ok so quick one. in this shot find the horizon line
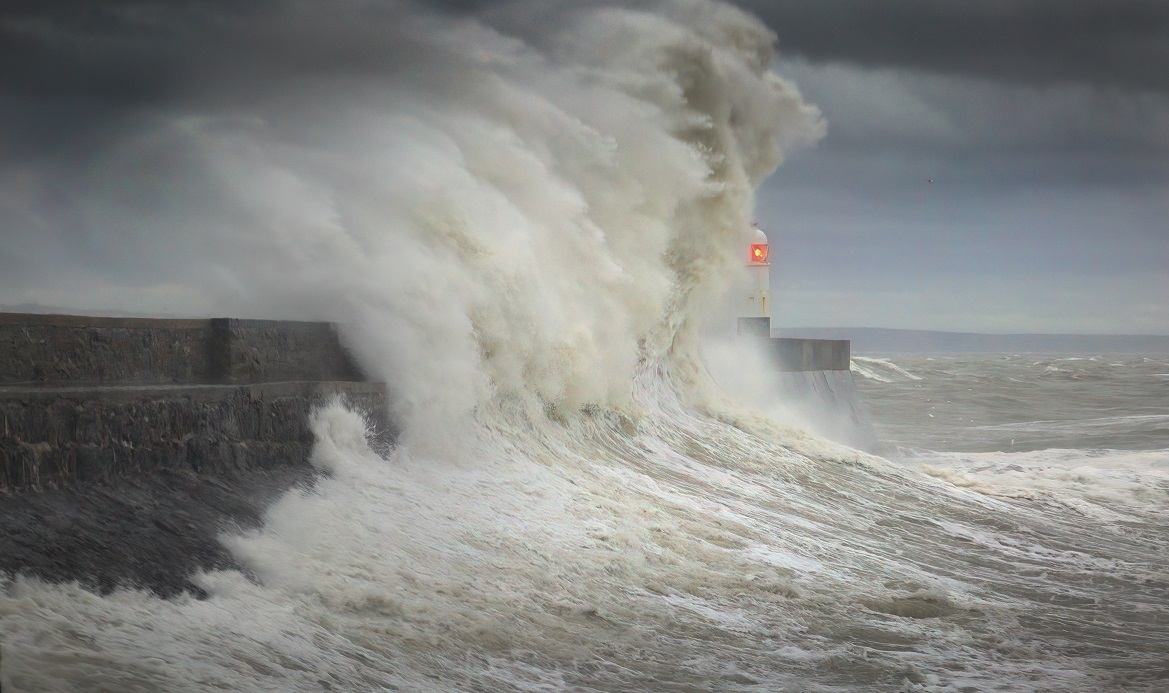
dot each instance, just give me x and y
(981, 334)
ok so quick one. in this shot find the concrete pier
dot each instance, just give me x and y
(816, 375)
(60, 349)
(89, 399)
(797, 355)
(800, 355)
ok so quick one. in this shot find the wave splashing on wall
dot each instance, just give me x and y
(518, 215)
(519, 205)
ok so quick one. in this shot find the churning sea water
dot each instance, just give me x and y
(1018, 403)
(682, 546)
(520, 227)
(1076, 448)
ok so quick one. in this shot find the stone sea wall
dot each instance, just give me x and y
(92, 399)
(814, 376)
(62, 349)
(830, 402)
(57, 436)
(799, 355)
(796, 354)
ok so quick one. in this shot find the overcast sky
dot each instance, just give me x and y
(989, 165)
(1044, 126)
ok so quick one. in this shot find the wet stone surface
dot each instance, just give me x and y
(151, 532)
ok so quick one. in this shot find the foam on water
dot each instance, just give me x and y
(671, 552)
(1107, 478)
(521, 229)
(882, 370)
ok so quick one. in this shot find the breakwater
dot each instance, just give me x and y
(69, 349)
(128, 446)
(815, 375)
(84, 399)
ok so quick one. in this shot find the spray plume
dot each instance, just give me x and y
(517, 206)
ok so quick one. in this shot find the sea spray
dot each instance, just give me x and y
(519, 221)
(521, 209)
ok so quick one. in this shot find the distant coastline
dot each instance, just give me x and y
(874, 340)
(865, 340)
(42, 309)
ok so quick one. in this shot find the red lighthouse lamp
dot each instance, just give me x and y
(758, 248)
(758, 253)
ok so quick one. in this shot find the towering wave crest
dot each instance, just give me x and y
(518, 208)
(519, 218)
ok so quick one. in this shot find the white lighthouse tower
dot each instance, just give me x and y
(755, 320)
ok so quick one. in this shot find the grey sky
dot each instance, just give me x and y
(1043, 124)
(1101, 42)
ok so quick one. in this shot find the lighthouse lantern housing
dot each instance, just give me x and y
(754, 318)
(757, 252)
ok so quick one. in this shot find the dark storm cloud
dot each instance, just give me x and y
(97, 99)
(920, 114)
(73, 76)
(1044, 124)
(1121, 43)
(989, 164)
(992, 93)
(58, 64)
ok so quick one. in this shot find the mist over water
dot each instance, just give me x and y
(521, 223)
(1090, 430)
(520, 214)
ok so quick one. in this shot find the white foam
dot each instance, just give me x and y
(1107, 483)
(518, 231)
(881, 370)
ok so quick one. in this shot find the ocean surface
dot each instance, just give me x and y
(524, 223)
(1018, 403)
(683, 547)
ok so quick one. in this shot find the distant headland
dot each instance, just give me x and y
(880, 340)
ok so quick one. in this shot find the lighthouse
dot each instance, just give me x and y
(754, 319)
